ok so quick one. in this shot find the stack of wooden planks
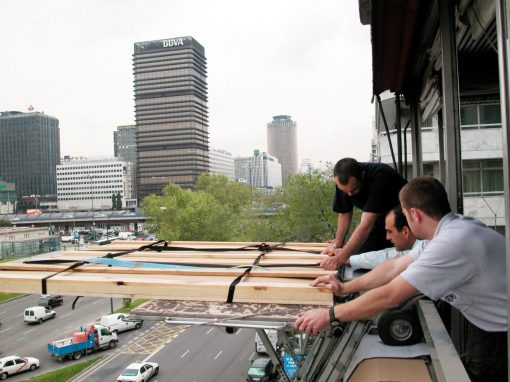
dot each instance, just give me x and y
(185, 271)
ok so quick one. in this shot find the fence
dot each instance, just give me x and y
(28, 248)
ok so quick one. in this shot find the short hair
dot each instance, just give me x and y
(427, 194)
(400, 218)
(346, 168)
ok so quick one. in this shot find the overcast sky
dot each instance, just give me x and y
(309, 59)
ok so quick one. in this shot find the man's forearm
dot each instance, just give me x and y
(380, 275)
(375, 301)
(344, 221)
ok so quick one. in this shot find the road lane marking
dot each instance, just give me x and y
(5, 311)
(239, 331)
(209, 331)
(217, 355)
(153, 353)
(184, 354)
(30, 330)
(6, 329)
(252, 355)
(66, 315)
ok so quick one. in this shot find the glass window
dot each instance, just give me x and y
(481, 116)
(483, 177)
(490, 114)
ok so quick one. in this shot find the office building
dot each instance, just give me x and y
(29, 152)
(89, 184)
(481, 152)
(282, 143)
(124, 149)
(171, 113)
(221, 162)
(261, 170)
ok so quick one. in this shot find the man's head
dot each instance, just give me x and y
(348, 176)
(423, 199)
(398, 231)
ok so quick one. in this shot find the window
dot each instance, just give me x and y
(480, 116)
(483, 177)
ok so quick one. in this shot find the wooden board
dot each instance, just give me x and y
(288, 284)
(201, 309)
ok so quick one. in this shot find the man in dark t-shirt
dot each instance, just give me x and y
(371, 187)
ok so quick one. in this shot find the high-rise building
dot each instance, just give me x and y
(221, 162)
(29, 152)
(86, 184)
(171, 113)
(124, 143)
(282, 143)
(124, 149)
(260, 170)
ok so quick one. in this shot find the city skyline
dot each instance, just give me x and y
(83, 76)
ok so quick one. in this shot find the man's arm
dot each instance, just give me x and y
(370, 260)
(357, 238)
(344, 221)
(363, 307)
(379, 276)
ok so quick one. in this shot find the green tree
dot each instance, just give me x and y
(232, 194)
(118, 205)
(211, 212)
(114, 202)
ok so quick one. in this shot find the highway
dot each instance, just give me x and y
(17, 337)
(194, 354)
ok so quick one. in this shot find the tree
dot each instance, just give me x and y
(211, 212)
(114, 202)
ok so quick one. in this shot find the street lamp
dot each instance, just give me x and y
(91, 177)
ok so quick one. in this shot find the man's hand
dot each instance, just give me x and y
(332, 263)
(330, 249)
(312, 321)
(331, 282)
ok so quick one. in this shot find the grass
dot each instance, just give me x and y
(133, 305)
(8, 296)
(65, 373)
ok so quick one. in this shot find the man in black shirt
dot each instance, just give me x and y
(371, 187)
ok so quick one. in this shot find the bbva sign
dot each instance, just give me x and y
(172, 42)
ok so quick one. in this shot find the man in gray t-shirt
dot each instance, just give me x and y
(464, 264)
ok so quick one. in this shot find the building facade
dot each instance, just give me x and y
(29, 152)
(221, 162)
(170, 85)
(481, 153)
(282, 143)
(261, 170)
(90, 184)
(124, 149)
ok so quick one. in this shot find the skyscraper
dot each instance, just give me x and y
(29, 152)
(282, 143)
(171, 113)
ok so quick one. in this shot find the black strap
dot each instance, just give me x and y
(44, 280)
(232, 287)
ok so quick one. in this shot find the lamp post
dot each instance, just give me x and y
(91, 177)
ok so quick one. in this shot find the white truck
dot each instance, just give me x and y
(127, 236)
(38, 314)
(120, 322)
(273, 338)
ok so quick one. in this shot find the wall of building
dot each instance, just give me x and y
(89, 184)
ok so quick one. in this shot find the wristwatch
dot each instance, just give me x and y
(332, 319)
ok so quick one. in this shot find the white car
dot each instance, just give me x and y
(14, 364)
(138, 372)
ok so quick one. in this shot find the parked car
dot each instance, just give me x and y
(50, 301)
(262, 369)
(14, 364)
(38, 314)
(120, 322)
(138, 372)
